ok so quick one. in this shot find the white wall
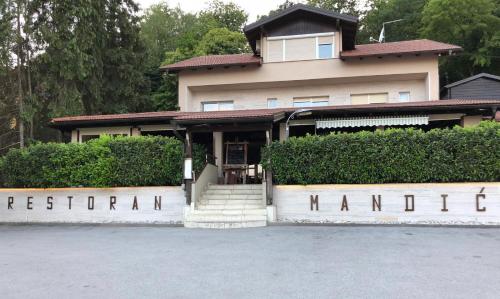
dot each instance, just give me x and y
(293, 203)
(172, 205)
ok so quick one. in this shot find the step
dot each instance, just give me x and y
(260, 211)
(231, 202)
(229, 207)
(225, 225)
(234, 191)
(224, 218)
(236, 187)
(231, 196)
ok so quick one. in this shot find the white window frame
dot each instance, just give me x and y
(404, 92)
(333, 47)
(218, 103)
(275, 100)
(368, 95)
(283, 38)
(311, 100)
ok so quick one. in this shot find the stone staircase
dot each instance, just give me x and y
(229, 206)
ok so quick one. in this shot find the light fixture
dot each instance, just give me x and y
(300, 112)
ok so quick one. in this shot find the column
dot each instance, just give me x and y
(218, 138)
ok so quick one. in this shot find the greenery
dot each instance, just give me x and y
(390, 156)
(104, 162)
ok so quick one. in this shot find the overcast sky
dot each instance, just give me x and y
(252, 7)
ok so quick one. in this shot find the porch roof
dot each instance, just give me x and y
(276, 114)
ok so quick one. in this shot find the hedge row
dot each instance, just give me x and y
(390, 156)
(104, 162)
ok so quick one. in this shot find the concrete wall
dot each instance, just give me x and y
(368, 73)
(466, 203)
(337, 93)
(91, 205)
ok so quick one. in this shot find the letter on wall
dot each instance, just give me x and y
(49, 202)
(69, 202)
(157, 202)
(10, 202)
(29, 203)
(377, 203)
(444, 197)
(112, 202)
(344, 204)
(314, 202)
(135, 206)
(480, 196)
(90, 204)
(408, 208)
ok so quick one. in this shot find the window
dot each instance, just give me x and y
(272, 103)
(300, 47)
(369, 98)
(217, 106)
(404, 96)
(310, 101)
(325, 51)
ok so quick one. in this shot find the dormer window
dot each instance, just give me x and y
(300, 47)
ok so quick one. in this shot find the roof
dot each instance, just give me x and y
(253, 30)
(113, 118)
(481, 75)
(214, 61)
(299, 7)
(403, 47)
(274, 114)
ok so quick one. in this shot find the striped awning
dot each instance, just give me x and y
(343, 122)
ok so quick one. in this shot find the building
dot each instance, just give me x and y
(304, 60)
(484, 86)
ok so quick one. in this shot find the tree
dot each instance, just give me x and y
(222, 41)
(342, 6)
(381, 11)
(91, 56)
(279, 9)
(230, 16)
(473, 25)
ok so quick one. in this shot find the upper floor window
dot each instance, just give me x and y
(217, 106)
(325, 51)
(325, 47)
(300, 47)
(310, 101)
(404, 96)
(369, 98)
(272, 103)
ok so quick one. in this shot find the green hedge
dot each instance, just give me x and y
(104, 162)
(390, 156)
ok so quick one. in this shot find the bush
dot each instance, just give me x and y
(104, 162)
(390, 156)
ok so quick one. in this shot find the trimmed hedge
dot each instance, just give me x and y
(390, 156)
(104, 162)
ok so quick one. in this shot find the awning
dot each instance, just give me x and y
(343, 122)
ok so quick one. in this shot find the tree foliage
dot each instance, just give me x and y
(380, 11)
(472, 24)
(343, 6)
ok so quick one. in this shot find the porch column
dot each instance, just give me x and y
(188, 153)
(282, 132)
(218, 138)
(269, 172)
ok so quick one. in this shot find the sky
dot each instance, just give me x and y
(252, 7)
